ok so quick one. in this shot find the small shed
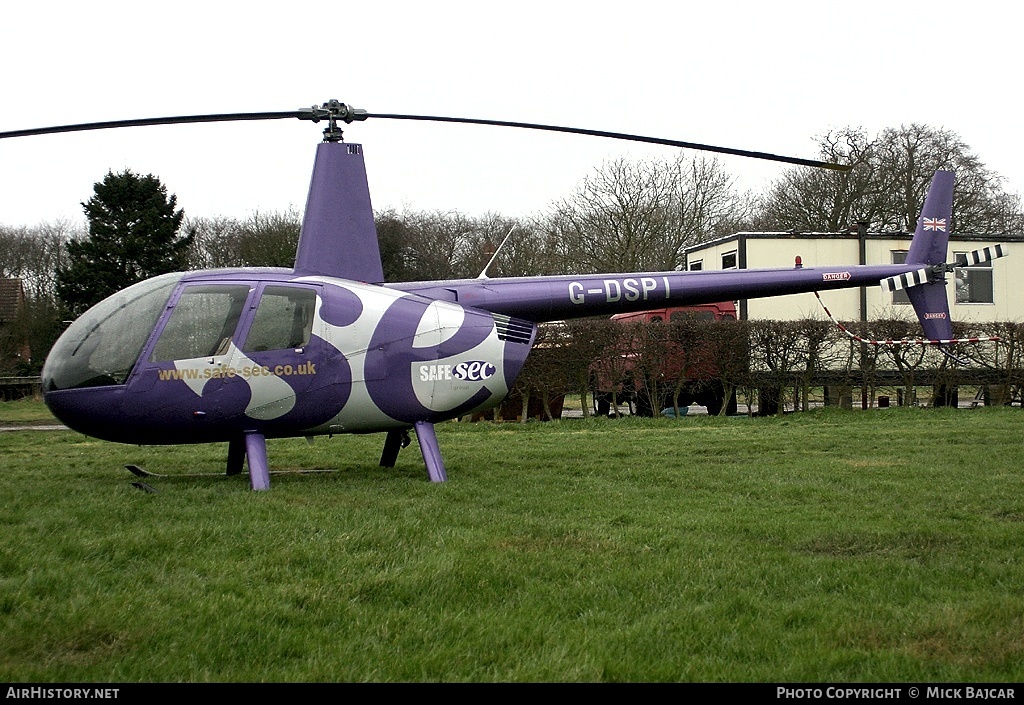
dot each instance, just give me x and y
(981, 293)
(14, 343)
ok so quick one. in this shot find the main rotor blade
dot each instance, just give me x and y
(348, 115)
(181, 119)
(621, 136)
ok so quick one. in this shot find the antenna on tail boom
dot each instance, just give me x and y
(483, 274)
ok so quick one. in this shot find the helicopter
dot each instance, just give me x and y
(328, 347)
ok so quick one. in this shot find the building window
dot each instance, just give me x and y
(729, 260)
(900, 295)
(697, 266)
(974, 284)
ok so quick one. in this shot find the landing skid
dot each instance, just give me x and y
(141, 472)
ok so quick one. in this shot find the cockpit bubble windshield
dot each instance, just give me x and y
(102, 346)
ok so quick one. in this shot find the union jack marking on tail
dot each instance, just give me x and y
(935, 224)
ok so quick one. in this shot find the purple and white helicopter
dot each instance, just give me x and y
(329, 347)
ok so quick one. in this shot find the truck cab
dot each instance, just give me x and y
(668, 368)
(721, 311)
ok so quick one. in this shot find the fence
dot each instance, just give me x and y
(774, 364)
(13, 388)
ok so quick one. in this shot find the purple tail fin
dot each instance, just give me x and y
(338, 236)
(929, 246)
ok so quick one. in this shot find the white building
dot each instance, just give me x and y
(993, 291)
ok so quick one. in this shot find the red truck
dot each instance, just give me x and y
(651, 370)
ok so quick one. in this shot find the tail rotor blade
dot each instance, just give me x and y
(985, 254)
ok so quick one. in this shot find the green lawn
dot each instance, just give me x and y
(879, 546)
(25, 412)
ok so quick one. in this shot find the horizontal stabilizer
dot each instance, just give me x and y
(985, 254)
(905, 281)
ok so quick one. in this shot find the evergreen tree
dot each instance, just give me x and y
(133, 235)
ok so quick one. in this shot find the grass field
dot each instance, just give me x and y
(843, 546)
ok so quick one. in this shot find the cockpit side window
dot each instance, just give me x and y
(202, 323)
(284, 319)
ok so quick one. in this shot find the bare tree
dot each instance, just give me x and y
(261, 240)
(887, 184)
(819, 200)
(632, 216)
(516, 246)
(419, 245)
(34, 256)
(908, 157)
(706, 201)
(213, 244)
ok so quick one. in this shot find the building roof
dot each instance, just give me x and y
(12, 298)
(848, 235)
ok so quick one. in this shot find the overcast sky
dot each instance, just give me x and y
(766, 76)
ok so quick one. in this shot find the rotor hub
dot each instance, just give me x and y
(333, 111)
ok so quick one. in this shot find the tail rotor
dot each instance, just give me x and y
(926, 285)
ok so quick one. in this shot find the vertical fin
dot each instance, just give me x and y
(929, 246)
(931, 238)
(338, 237)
